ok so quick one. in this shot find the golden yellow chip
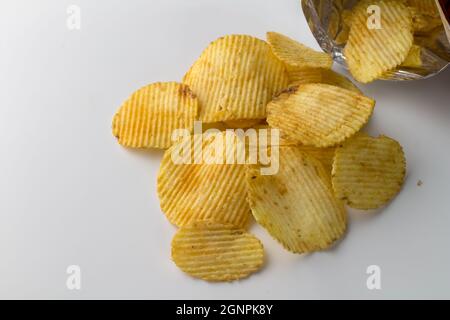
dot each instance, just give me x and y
(368, 172)
(426, 7)
(244, 123)
(282, 141)
(235, 77)
(216, 252)
(297, 55)
(209, 190)
(324, 155)
(320, 115)
(148, 118)
(320, 75)
(414, 58)
(370, 52)
(296, 205)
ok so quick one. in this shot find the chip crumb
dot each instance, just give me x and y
(419, 183)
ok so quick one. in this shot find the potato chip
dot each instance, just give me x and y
(372, 52)
(282, 141)
(203, 191)
(320, 75)
(426, 7)
(320, 115)
(235, 77)
(297, 55)
(148, 118)
(324, 155)
(216, 252)
(296, 205)
(414, 58)
(368, 172)
(244, 123)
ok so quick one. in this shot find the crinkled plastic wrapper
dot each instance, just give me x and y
(325, 19)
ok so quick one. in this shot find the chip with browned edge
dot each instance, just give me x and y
(148, 118)
(319, 115)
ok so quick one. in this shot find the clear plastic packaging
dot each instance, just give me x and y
(325, 19)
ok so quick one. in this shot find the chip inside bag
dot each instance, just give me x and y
(382, 39)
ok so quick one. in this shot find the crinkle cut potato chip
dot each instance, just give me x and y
(372, 52)
(296, 55)
(368, 172)
(296, 205)
(324, 155)
(235, 77)
(190, 192)
(148, 118)
(319, 75)
(320, 115)
(216, 252)
(282, 141)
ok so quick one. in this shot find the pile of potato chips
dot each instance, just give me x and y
(324, 160)
(383, 35)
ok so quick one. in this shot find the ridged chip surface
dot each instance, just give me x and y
(148, 118)
(319, 115)
(319, 75)
(296, 55)
(216, 252)
(371, 52)
(235, 77)
(191, 192)
(296, 205)
(324, 155)
(368, 172)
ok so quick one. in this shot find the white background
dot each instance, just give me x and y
(69, 194)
